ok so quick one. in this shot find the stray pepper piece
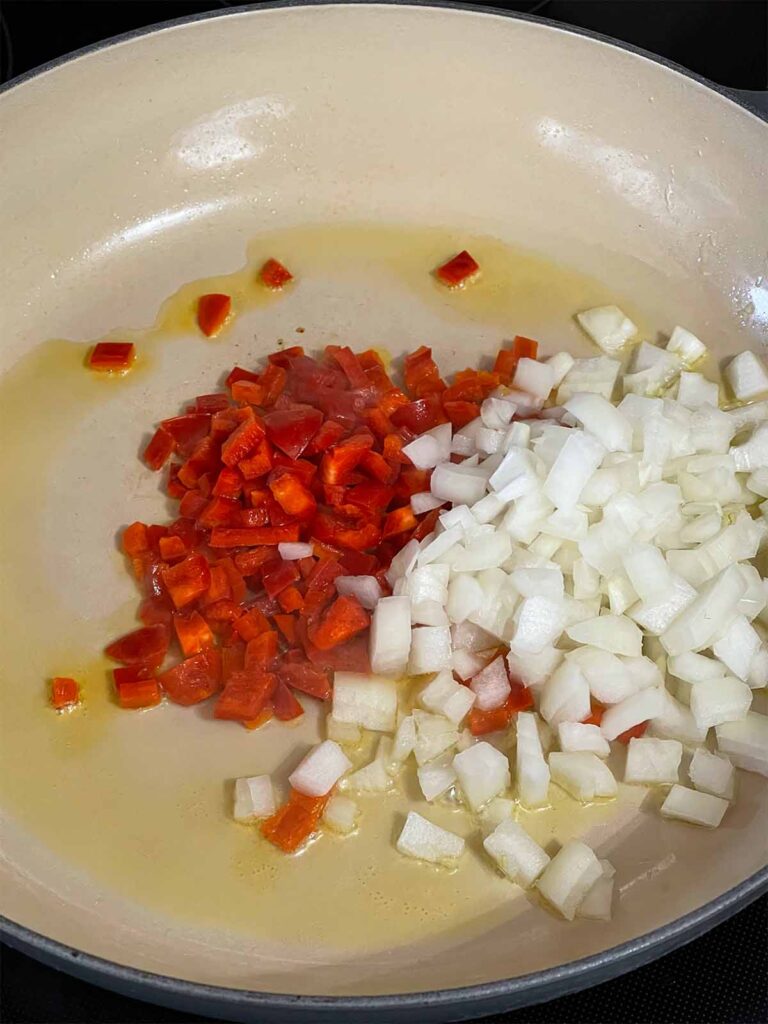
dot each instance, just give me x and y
(457, 271)
(212, 311)
(112, 356)
(65, 692)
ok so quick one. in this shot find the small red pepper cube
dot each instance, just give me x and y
(194, 679)
(274, 275)
(212, 311)
(146, 646)
(134, 540)
(65, 692)
(294, 822)
(112, 356)
(187, 580)
(634, 733)
(458, 270)
(141, 693)
(159, 449)
(245, 695)
(193, 633)
(285, 704)
(344, 619)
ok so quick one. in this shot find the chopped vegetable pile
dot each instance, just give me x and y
(506, 581)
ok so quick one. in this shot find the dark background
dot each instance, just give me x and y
(720, 978)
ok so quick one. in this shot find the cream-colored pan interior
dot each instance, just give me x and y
(361, 145)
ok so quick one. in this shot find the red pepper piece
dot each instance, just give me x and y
(192, 504)
(276, 577)
(247, 391)
(212, 311)
(132, 674)
(508, 358)
(142, 693)
(204, 459)
(419, 416)
(147, 645)
(349, 657)
(172, 548)
(292, 429)
(154, 611)
(460, 412)
(291, 494)
(458, 270)
(245, 695)
(211, 403)
(222, 537)
(482, 722)
(259, 462)
(377, 466)
(344, 619)
(634, 733)
(221, 611)
(219, 512)
(370, 495)
(290, 599)
(235, 578)
(329, 434)
(422, 376)
(304, 470)
(252, 624)
(188, 431)
(596, 716)
(378, 422)
(194, 679)
(346, 359)
(412, 481)
(229, 484)
(399, 520)
(294, 822)
(287, 626)
(193, 632)
(285, 704)
(342, 459)
(426, 524)
(249, 562)
(261, 651)
(65, 692)
(242, 441)
(159, 449)
(187, 580)
(232, 659)
(175, 488)
(286, 356)
(273, 381)
(321, 584)
(238, 373)
(307, 678)
(134, 540)
(274, 275)
(112, 356)
(346, 533)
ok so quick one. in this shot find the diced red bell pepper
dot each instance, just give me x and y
(321, 585)
(212, 311)
(412, 481)
(219, 512)
(154, 610)
(261, 651)
(134, 540)
(634, 733)
(422, 376)
(219, 588)
(346, 533)
(279, 575)
(147, 646)
(188, 431)
(349, 363)
(112, 356)
(378, 422)
(287, 626)
(304, 470)
(193, 632)
(349, 657)
(249, 562)
(508, 358)
(377, 466)
(204, 459)
(65, 692)
(291, 494)
(286, 356)
(421, 415)
(159, 449)
(242, 441)
(244, 695)
(596, 715)
(294, 822)
(290, 599)
(308, 678)
(235, 577)
(345, 618)
(259, 462)
(274, 275)
(482, 722)
(175, 488)
(211, 403)
(192, 504)
(141, 693)
(426, 524)
(273, 381)
(285, 704)
(343, 458)
(292, 429)
(252, 624)
(232, 659)
(460, 412)
(229, 484)
(222, 537)
(172, 548)
(224, 610)
(247, 391)
(400, 520)
(328, 434)
(471, 386)
(370, 495)
(132, 674)
(238, 373)
(187, 580)
(458, 270)
(194, 679)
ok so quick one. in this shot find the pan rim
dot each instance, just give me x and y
(524, 989)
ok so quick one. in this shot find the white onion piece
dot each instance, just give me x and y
(366, 589)
(341, 814)
(608, 327)
(675, 721)
(430, 649)
(653, 762)
(737, 647)
(534, 669)
(686, 345)
(364, 700)
(539, 582)
(540, 622)
(747, 376)
(565, 695)
(439, 545)
(700, 623)
(694, 668)
(532, 771)
(517, 855)
(435, 734)
(444, 696)
(435, 779)
(695, 391)
(373, 777)
(582, 775)
(578, 736)
(694, 807)
(483, 773)
(596, 905)
(254, 798)
(569, 876)
(746, 742)
(578, 459)
(534, 377)
(597, 415)
(640, 707)
(491, 686)
(461, 484)
(597, 375)
(320, 770)
(403, 562)
(712, 773)
(390, 636)
(716, 701)
(560, 364)
(292, 552)
(614, 633)
(424, 501)
(422, 840)
(348, 734)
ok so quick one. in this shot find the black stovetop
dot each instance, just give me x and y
(717, 979)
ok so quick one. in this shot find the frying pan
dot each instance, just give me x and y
(360, 142)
